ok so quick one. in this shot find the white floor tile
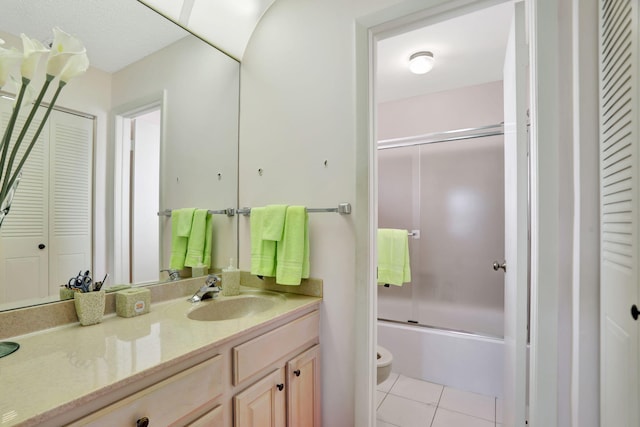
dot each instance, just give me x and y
(445, 418)
(386, 384)
(473, 404)
(379, 397)
(499, 410)
(422, 391)
(380, 423)
(405, 413)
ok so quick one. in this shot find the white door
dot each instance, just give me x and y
(24, 236)
(70, 197)
(619, 281)
(516, 228)
(145, 199)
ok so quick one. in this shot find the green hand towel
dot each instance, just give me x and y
(180, 229)
(263, 252)
(393, 257)
(197, 238)
(273, 222)
(293, 251)
(208, 241)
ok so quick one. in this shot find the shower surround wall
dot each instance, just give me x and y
(453, 193)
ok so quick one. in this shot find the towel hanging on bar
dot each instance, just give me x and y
(227, 212)
(343, 208)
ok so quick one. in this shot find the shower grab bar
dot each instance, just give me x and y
(227, 212)
(343, 209)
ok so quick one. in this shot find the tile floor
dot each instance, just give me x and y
(407, 402)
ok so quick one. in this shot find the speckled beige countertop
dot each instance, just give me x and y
(63, 367)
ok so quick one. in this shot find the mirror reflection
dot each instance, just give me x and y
(153, 125)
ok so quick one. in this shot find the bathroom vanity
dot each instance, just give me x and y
(165, 368)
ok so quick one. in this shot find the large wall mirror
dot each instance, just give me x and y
(155, 127)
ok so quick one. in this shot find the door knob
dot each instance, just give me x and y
(634, 312)
(296, 372)
(41, 246)
(280, 386)
(497, 266)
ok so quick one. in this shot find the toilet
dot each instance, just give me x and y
(384, 359)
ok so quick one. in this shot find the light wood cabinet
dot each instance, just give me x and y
(213, 418)
(269, 377)
(303, 389)
(263, 404)
(168, 402)
(273, 401)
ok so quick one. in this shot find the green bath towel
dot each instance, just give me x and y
(263, 252)
(273, 222)
(292, 257)
(393, 257)
(180, 229)
(198, 238)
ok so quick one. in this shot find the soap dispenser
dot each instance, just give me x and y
(230, 280)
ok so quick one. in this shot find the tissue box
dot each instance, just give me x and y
(133, 302)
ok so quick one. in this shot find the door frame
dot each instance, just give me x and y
(543, 29)
(118, 247)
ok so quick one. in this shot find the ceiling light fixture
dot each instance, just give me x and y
(421, 62)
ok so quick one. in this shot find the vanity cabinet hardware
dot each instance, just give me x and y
(634, 312)
(296, 372)
(280, 387)
(41, 246)
(142, 422)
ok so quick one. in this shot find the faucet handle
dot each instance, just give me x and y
(213, 280)
(173, 273)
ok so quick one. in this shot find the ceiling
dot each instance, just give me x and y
(226, 24)
(468, 50)
(116, 33)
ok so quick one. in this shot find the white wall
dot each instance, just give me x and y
(200, 131)
(298, 109)
(466, 107)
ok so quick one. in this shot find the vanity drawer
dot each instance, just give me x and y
(257, 354)
(165, 402)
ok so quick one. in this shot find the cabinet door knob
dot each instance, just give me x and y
(280, 387)
(142, 422)
(41, 246)
(634, 312)
(296, 372)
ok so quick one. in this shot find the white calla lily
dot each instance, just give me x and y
(32, 49)
(64, 47)
(30, 92)
(9, 61)
(77, 65)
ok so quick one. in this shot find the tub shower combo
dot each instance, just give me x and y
(447, 191)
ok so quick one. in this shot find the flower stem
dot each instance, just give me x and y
(5, 189)
(4, 145)
(23, 133)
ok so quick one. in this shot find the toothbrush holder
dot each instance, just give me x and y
(89, 307)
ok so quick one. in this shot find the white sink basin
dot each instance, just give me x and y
(248, 303)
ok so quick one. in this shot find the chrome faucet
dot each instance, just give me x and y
(173, 274)
(210, 289)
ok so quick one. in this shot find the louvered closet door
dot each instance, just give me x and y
(619, 142)
(23, 265)
(70, 218)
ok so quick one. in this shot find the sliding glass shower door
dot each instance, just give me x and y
(450, 197)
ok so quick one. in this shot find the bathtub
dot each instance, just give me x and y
(465, 361)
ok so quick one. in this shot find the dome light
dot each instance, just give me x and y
(421, 62)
